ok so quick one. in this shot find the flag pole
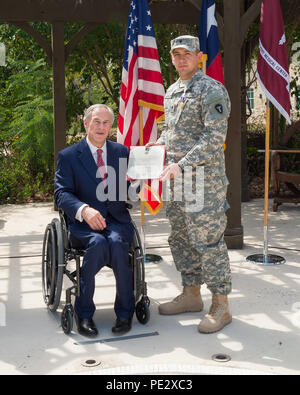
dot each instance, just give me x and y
(204, 60)
(141, 136)
(202, 63)
(265, 258)
(267, 166)
(148, 258)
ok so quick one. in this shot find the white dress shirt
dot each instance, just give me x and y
(93, 149)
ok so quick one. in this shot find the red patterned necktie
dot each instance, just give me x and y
(101, 166)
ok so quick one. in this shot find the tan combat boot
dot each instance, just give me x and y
(188, 301)
(218, 316)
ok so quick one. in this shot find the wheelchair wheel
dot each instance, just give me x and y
(137, 240)
(52, 264)
(67, 319)
(139, 271)
(48, 256)
(142, 310)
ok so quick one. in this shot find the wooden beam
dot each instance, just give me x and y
(285, 151)
(196, 3)
(220, 21)
(290, 131)
(77, 37)
(248, 18)
(91, 11)
(37, 37)
(59, 89)
(232, 68)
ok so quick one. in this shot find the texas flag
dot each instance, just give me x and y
(209, 40)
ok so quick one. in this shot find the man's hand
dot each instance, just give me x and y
(93, 218)
(148, 145)
(171, 171)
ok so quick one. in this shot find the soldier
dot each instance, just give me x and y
(196, 111)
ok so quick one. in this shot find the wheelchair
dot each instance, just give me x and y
(59, 248)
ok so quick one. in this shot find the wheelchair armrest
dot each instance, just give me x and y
(64, 227)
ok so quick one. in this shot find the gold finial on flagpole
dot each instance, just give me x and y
(202, 63)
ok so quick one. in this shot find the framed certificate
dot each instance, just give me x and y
(146, 163)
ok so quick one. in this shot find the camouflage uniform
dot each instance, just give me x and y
(196, 113)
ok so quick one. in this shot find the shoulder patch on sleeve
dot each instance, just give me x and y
(215, 103)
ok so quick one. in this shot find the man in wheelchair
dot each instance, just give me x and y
(86, 174)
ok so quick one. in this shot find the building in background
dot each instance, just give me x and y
(257, 98)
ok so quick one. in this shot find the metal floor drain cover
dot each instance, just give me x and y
(90, 363)
(266, 260)
(221, 358)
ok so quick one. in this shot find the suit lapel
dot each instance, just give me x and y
(112, 161)
(86, 158)
(110, 157)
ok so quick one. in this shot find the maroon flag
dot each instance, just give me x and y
(272, 64)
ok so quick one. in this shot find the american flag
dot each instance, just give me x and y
(142, 83)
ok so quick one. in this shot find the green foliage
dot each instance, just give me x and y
(26, 130)
(26, 116)
(255, 162)
(75, 105)
(100, 55)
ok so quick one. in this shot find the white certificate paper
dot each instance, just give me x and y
(146, 163)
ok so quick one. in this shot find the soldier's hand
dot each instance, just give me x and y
(93, 218)
(171, 171)
(148, 145)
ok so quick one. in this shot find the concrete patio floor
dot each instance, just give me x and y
(264, 337)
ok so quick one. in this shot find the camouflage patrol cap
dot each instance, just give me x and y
(190, 43)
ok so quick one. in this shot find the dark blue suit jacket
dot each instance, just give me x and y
(77, 180)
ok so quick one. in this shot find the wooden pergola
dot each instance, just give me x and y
(233, 26)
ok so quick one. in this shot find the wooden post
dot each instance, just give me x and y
(59, 89)
(232, 68)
